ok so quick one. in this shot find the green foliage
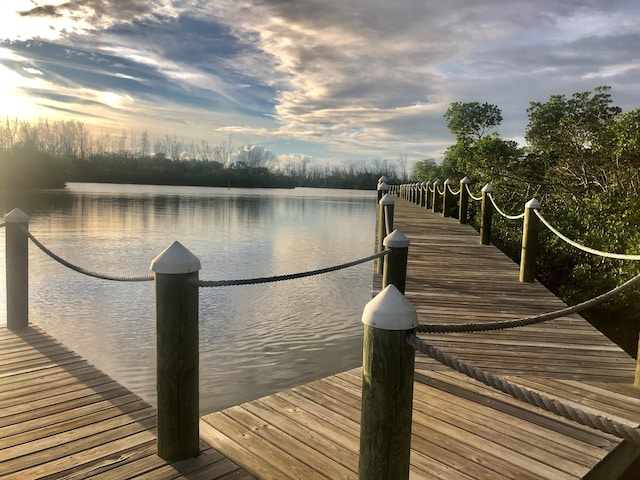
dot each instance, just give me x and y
(472, 120)
(425, 170)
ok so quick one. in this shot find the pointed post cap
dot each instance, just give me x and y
(396, 239)
(387, 200)
(447, 181)
(383, 179)
(429, 183)
(487, 188)
(436, 182)
(175, 259)
(383, 186)
(390, 310)
(16, 216)
(533, 203)
(465, 181)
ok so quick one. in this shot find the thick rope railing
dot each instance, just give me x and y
(441, 192)
(619, 256)
(521, 322)
(508, 217)
(291, 276)
(432, 187)
(473, 197)
(89, 273)
(457, 192)
(597, 422)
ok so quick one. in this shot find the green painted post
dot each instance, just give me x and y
(388, 364)
(177, 353)
(446, 198)
(530, 229)
(17, 268)
(487, 211)
(463, 208)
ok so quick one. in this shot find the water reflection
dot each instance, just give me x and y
(254, 339)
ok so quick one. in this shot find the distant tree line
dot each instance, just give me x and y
(582, 161)
(46, 154)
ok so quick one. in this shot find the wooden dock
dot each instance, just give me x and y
(461, 429)
(60, 417)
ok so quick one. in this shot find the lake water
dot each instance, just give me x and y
(254, 340)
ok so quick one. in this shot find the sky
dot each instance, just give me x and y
(327, 81)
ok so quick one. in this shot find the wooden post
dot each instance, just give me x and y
(530, 229)
(387, 387)
(385, 219)
(487, 211)
(435, 207)
(464, 200)
(176, 280)
(637, 379)
(383, 188)
(427, 195)
(395, 262)
(446, 198)
(423, 194)
(17, 268)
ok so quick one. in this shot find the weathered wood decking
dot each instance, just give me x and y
(60, 417)
(461, 429)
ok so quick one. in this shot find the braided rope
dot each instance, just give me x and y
(431, 187)
(508, 217)
(521, 322)
(103, 276)
(291, 276)
(439, 191)
(619, 256)
(457, 192)
(597, 422)
(477, 199)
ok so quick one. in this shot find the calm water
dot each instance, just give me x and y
(254, 340)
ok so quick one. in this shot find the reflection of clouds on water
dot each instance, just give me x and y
(254, 339)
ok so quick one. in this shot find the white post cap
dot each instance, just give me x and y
(175, 259)
(16, 216)
(383, 179)
(447, 181)
(465, 180)
(390, 310)
(487, 188)
(533, 203)
(396, 239)
(383, 186)
(387, 200)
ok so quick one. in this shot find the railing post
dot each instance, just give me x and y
(385, 225)
(17, 268)
(637, 379)
(487, 211)
(176, 282)
(427, 204)
(446, 198)
(383, 188)
(423, 194)
(530, 229)
(387, 387)
(436, 196)
(395, 262)
(464, 200)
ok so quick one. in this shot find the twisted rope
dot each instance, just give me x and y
(477, 199)
(291, 276)
(439, 191)
(103, 276)
(431, 187)
(597, 422)
(508, 217)
(521, 322)
(457, 192)
(619, 256)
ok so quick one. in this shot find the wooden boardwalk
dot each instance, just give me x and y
(461, 429)
(60, 417)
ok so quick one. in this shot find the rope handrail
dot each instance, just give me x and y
(291, 276)
(439, 191)
(619, 256)
(508, 217)
(457, 192)
(521, 322)
(473, 197)
(598, 422)
(432, 187)
(90, 273)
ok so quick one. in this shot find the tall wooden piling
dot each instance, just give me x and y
(387, 387)
(487, 212)
(530, 229)
(176, 281)
(463, 208)
(385, 225)
(17, 268)
(395, 262)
